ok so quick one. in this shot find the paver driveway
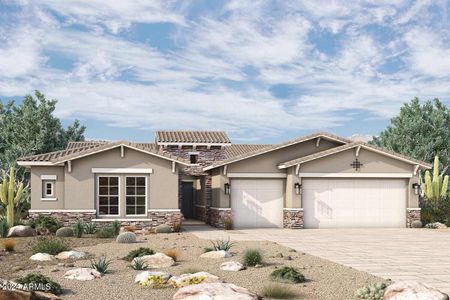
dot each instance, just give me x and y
(398, 254)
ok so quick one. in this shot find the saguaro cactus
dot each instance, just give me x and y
(10, 195)
(436, 187)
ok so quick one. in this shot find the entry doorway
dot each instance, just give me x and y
(187, 199)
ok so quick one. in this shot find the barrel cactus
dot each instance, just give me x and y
(416, 224)
(373, 291)
(64, 232)
(126, 238)
(163, 228)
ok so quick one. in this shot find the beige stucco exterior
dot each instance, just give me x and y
(36, 188)
(77, 190)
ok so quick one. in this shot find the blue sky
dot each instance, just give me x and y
(263, 71)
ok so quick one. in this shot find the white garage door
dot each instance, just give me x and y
(329, 203)
(257, 202)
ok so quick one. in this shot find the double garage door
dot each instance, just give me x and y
(327, 202)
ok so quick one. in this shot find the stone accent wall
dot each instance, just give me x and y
(200, 213)
(293, 218)
(205, 157)
(208, 198)
(66, 218)
(217, 216)
(412, 214)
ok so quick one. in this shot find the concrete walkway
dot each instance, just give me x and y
(398, 254)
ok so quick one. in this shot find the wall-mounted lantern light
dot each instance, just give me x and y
(298, 188)
(226, 188)
(416, 188)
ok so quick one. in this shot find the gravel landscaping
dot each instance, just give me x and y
(324, 279)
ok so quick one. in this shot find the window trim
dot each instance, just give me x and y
(52, 188)
(98, 196)
(146, 195)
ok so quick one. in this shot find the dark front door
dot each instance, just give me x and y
(187, 203)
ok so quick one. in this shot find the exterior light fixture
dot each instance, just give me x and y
(298, 188)
(226, 188)
(416, 188)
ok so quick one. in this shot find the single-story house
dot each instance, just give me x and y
(315, 181)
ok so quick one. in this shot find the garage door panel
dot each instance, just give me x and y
(354, 202)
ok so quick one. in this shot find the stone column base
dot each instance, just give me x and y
(293, 218)
(412, 214)
(66, 218)
(217, 216)
(200, 213)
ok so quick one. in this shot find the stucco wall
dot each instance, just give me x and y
(36, 187)
(218, 180)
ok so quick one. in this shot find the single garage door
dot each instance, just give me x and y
(329, 203)
(257, 202)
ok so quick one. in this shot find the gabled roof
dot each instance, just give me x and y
(270, 148)
(59, 157)
(84, 144)
(195, 137)
(363, 145)
(239, 149)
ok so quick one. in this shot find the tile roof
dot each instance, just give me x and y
(240, 149)
(84, 144)
(350, 146)
(269, 148)
(201, 137)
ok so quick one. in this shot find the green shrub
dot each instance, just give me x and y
(373, 291)
(45, 223)
(138, 253)
(105, 233)
(222, 245)
(288, 275)
(90, 228)
(139, 264)
(50, 245)
(101, 265)
(41, 283)
(416, 224)
(4, 227)
(163, 228)
(278, 291)
(115, 226)
(64, 232)
(208, 249)
(252, 257)
(126, 238)
(78, 228)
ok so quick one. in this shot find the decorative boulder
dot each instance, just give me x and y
(42, 257)
(155, 261)
(195, 278)
(233, 266)
(64, 232)
(216, 254)
(126, 238)
(143, 276)
(412, 290)
(436, 225)
(82, 274)
(70, 255)
(214, 291)
(163, 228)
(21, 231)
(26, 295)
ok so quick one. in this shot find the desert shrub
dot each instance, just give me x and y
(50, 245)
(155, 282)
(45, 224)
(288, 275)
(129, 228)
(4, 227)
(139, 264)
(177, 226)
(163, 228)
(90, 228)
(64, 232)
(78, 228)
(172, 253)
(126, 238)
(252, 257)
(138, 253)
(105, 233)
(101, 264)
(208, 249)
(228, 223)
(278, 291)
(41, 283)
(115, 226)
(416, 224)
(373, 291)
(222, 245)
(9, 244)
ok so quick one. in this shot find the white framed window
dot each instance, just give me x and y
(48, 189)
(108, 195)
(136, 195)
